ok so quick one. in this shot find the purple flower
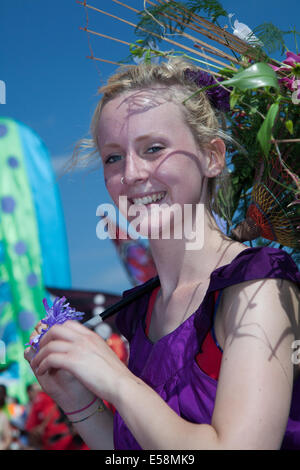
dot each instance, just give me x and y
(292, 59)
(59, 313)
(292, 70)
(217, 95)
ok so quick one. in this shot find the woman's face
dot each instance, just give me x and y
(143, 138)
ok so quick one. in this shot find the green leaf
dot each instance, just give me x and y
(256, 76)
(290, 126)
(212, 8)
(252, 111)
(234, 97)
(147, 57)
(265, 132)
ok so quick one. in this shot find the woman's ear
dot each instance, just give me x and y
(214, 158)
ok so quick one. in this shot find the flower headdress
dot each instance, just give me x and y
(261, 98)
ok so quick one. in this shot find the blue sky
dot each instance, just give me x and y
(52, 87)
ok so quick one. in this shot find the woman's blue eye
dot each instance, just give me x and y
(112, 158)
(155, 148)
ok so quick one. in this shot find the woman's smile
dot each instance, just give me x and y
(148, 198)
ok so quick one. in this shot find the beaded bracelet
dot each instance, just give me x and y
(100, 408)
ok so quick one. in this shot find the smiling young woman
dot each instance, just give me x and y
(210, 347)
(143, 165)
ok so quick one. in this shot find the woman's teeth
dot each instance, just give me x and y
(149, 199)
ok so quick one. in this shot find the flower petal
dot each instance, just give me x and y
(291, 58)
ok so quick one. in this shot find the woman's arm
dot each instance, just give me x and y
(255, 383)
(97, 431)
(261, 321)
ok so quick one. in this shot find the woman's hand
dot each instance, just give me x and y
(59, 384)
(73, 360)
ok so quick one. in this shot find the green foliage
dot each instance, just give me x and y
(265, 132)
(162, 25)
(255, 76)
(210, 9)
(290, 126)
(271, 36)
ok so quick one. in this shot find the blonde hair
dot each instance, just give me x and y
(205, 122)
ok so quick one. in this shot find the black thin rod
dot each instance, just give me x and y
(128, 299)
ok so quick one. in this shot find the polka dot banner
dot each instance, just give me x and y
(20, 248)
(8, 204)
(32, 280)
(12, 162)
(27, 320)
(3, 130)
(33, 242)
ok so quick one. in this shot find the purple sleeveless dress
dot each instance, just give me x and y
(169, 365)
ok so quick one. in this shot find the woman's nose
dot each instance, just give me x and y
(135, 169)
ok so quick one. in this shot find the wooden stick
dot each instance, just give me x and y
(215, 36)
(109, 61)
(181, 46)
(126, 6)
(286, 140)
(220, 53)
(127, 44)
(222, 33)
(105, 13)
(134, 65)
(204, 32)
(105, 36)
(190, 26)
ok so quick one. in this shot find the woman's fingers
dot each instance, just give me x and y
(69, 337)
(37, 330)
(59, 332)
(39, 327)
(54, 348)
(76, 326)
(67, 331)
(30, 351)
(29, 354)
(53, 361)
